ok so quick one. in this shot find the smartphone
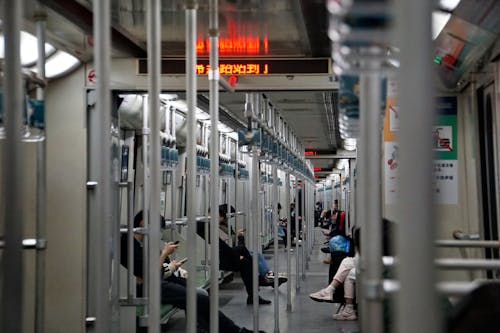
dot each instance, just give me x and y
(177, 242)
(183, 260)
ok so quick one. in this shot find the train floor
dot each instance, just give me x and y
(306, 315)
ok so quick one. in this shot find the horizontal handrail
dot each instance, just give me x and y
(467, 243)
(453, 263)
(449, 288)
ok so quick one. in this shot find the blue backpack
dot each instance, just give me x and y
(339, 243)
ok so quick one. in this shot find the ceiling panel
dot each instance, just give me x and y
(304, 111)
(247, 27)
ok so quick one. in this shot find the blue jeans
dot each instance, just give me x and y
(263, 265)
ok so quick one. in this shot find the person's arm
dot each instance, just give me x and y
(170, 268)
(241, 237)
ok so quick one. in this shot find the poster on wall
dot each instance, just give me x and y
(393, 118)
(444, 144)
(391, 163)
(445, 185)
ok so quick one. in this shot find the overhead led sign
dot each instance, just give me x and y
(257, 66)
(310, 153)
(235, 69)
(231, 46)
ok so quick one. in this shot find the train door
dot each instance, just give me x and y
(486, 117)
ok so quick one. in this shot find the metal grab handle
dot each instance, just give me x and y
(458, 234)
(30, 244)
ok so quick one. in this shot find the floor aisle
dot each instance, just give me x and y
(306, 315)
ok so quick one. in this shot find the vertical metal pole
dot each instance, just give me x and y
(325, 205)
(191, 8)
(173, 186)
(131, 286)
(305, 228)
(352, 190)
(41, 186)
(213, 78)
(370, 189)
(255, 220)
(288, 243)
(102, 56)
(311, 231)
(274, 219)
(417, 308)
(146, 191)
(297, 256)
(236, 185)
(333, 192)
(12, 270)
(154, 55)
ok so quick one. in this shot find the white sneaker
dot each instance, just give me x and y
(347, 313)
(324, 295)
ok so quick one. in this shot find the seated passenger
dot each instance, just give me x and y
(346, 273)
(341, 278)
(236, 259)
(173, 288)
(266, 275)
(284, 225)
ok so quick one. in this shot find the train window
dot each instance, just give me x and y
(29, 49)
(59, 64)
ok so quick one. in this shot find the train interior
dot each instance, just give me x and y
(319, 106)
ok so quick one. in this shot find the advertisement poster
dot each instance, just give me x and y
(444, 144)
(391, 164)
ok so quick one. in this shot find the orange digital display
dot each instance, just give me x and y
(235, 69)
(235, 46)
(238, 67)
(310, 153)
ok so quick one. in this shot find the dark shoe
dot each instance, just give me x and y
(281, 280)
(325, 249)
(265, 281)
(245, 330)
(262, 301)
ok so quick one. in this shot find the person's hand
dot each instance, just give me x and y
(176, 264)
(169, 248)
(240, 232)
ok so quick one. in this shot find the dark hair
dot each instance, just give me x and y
(388, 230)
(140, 216)
(279, 205)
(223, 210)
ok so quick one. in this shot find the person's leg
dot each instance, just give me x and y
(326, 294)
(264, 267)
(345, 266)
(175, 294)
(347, 312)
(246, 275)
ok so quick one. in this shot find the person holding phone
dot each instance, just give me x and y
(173, 287)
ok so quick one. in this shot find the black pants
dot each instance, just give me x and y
(229, 259)
(173, 291)
(237, 259)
